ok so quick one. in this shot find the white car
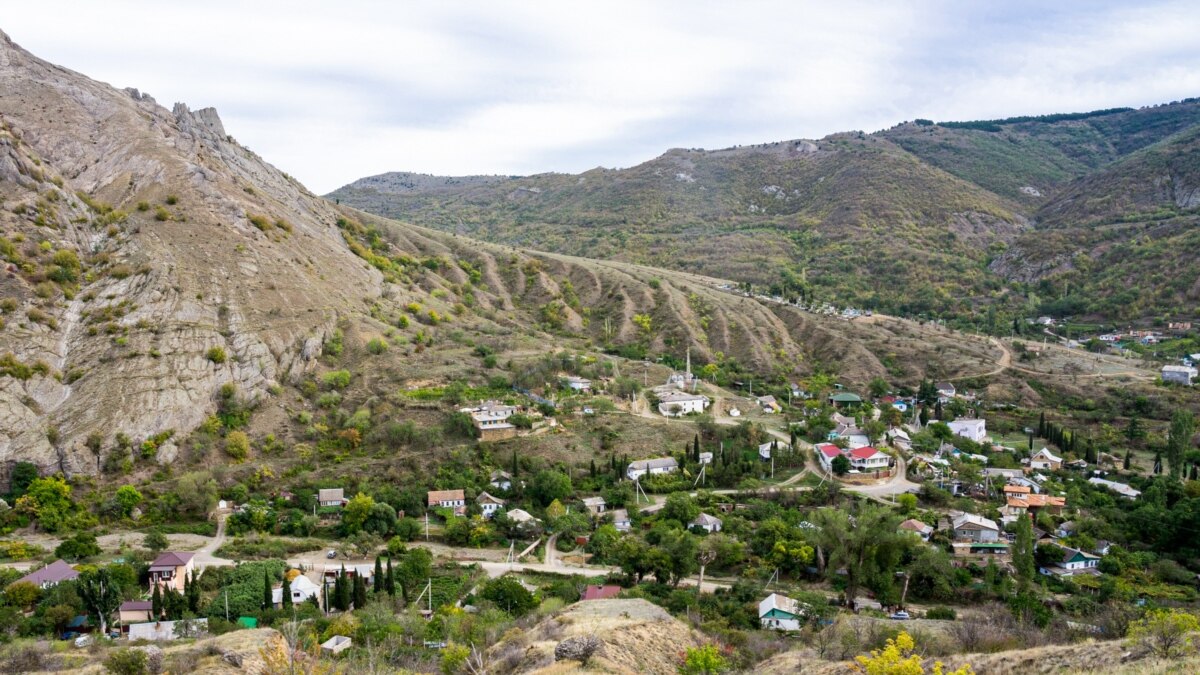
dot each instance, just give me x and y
(901, 616)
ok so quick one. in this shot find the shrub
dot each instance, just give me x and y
(237, 445)
(216, 355)
(143, 206)
(172, 200)
(161, 214)
(127, 662)
(260, 222)
(377, 345)
(338, 379)
(943, 613)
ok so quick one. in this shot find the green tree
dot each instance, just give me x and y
(704, 660)
(285, 593)
(128, 499)
(49, 500)
(508, 594)
(23, 474)
(414, 569)
(840, 465)
(342, 593)
(549, 485)
(82, 545)
(1023, 551)
(356, 511)
(681, 507)
(360, 592)
(127, 662)
(379, 580)
(155, 541)
(156, 602)
(237, 445)
(864, 543)
(100, 594)
(267, 600)
(391, 578)
(1179, 440)
(1166, 632)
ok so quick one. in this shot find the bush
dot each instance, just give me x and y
(216, 355)
(338, 379)
(127, 662)
(377, 346)
(237, 445)
(942, 613)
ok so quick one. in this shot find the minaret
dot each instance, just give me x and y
(689, 362)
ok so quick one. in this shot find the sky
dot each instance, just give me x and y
(332, 92)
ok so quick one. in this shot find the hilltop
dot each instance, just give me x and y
(917, 219)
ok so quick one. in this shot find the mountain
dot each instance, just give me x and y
(912, 219)
(158, 273)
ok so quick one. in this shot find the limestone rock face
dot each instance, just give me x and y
(187, 241)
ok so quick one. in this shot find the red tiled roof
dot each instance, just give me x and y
(865, 452)
(601, 592)
(829, 450)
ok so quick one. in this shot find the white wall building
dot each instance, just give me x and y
(974, 429)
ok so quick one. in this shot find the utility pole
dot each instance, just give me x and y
(426, 526)
(227, 603)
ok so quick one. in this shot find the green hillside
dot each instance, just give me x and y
(921, 219)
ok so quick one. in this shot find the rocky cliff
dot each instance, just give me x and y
(149, 259)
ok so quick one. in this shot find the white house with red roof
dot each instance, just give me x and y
(825, 453)
(867, 458)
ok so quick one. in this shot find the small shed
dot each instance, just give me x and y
(336, 644)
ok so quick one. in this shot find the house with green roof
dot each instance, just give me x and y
(845, 399)
(779, 612)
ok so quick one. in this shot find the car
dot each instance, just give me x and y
(901, 616)
(83, 641)
(331, 555)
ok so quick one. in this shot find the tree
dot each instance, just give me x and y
(267, 600)
(82, 545)
(1179, 440)
(704, 660)
(22, 594)
(509, 595)
(127, 662)
(391, 578)
(379, 580)
(549, 485)
(1166, 632)
(1023, 553)
(101, 595)
(193, 596)
(128, 498)
(899, 657)
(49, 500)
(840, 465)
(414, 569)
(865, 543)
(341, 591)
(878, 387)
(155, 541)
(237, 445)
(681, 507)
(285, 593)
(156, 602)
(908, 503)
(356, 511)
(360, 592)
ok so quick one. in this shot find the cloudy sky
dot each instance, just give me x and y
(331, 92)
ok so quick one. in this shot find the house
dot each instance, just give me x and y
(1119, 488)
(845, 399)
(594, 505)
(501, 480)
(679, 403)
(164, 630)
(1179, 374)
(335, 497)
(854, 437)
(1017, 504)
(336, 644)
(651, 466)
(706, 458)
(448, 499)
(1046, 460)
(488, 504)
(1072, 562)
(620, 518)
(135, 611)
(945, 390)
(869, 459)
(915, 526)
(707, 523)
(606, 592)
(332, 572)
(769, 404)
(302, 589)
(491, 420)
(779, 612)
(900, 439)
(973, 528)
(521, 516)
(1006, 474)
(579, 384)
(1066, 529)
(764, 450)
(974, 429)
(826, 452)
(51, 575)
(170, 568)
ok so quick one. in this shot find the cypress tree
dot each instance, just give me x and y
(285, 593)
(593, 467)
(1042, 425)
(266, 601)
(360, 592)
(1128, 459)
(193, 596)
(696, 448)
(514, 464)
(341, 591)
(391, 578)
(156, 603)
(379, 580)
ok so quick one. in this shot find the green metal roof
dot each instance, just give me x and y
(989, 544)
(846, 397)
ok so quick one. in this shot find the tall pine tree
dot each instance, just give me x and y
(360, 592)
(391, 579)
(285, 593)
(379, 580)
(266, 597)
(156, 602)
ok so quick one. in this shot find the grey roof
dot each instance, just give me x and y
(331, 494)
(658, 463)
(972, 519)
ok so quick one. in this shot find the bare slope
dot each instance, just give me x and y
(121, 336)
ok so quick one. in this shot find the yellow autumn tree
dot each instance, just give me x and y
(898, 658)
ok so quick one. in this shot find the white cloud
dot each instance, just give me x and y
(333, 93)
